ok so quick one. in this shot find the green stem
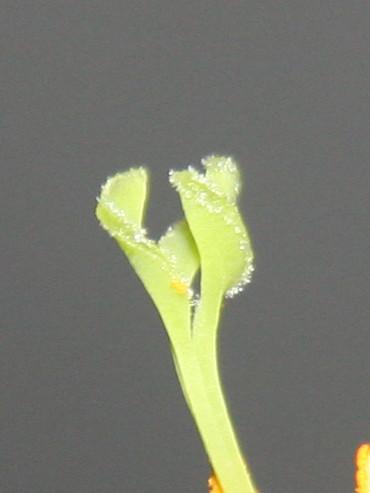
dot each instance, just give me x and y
(202, 386)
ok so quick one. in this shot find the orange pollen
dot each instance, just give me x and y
(214, 485)
(179, 286)
(362, 475)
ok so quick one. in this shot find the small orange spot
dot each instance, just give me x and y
(362, 475)
(179, 286)
(214, 485)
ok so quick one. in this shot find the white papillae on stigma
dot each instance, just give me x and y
(135, 236)
(215, 201)
(224, 165)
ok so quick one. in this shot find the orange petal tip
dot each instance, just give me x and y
(362, 475)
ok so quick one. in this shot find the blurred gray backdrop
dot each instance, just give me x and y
(89, 401)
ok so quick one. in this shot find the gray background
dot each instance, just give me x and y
(89, 398)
